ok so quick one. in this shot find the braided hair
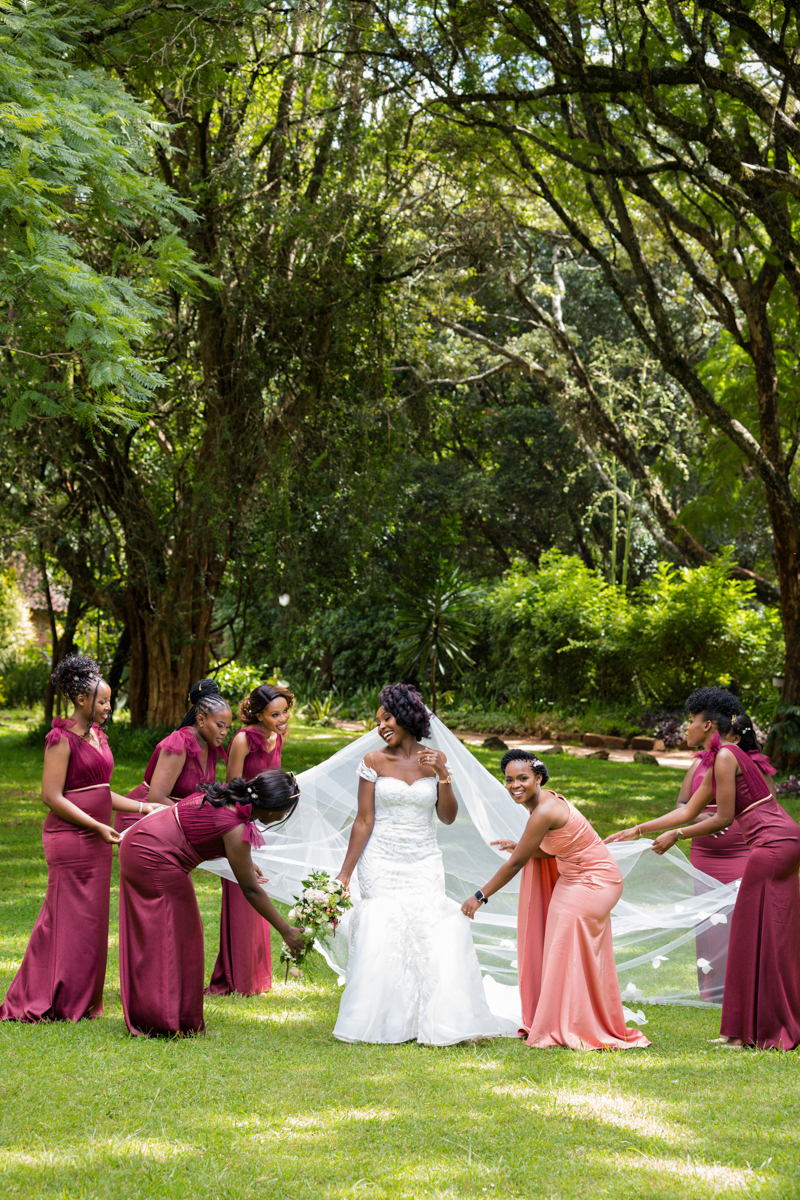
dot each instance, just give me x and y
(274, 791)
(204, 697)
(260, 698)
(528, 756)
(78, 675)
(408, 708)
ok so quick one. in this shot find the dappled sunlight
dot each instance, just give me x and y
(687, 1171)
(633, 1115)
(86, 1153)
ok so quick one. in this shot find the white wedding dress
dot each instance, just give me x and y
(413, 973)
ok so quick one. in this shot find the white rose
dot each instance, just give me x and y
(292, 914)
(309, 929)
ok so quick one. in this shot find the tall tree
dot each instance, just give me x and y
(663, 139)
(288, 183)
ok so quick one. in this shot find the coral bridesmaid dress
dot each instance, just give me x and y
(161, 955)
(244, 962)
(723, 856)
(64, 968)
(761, 1004)
(193, 773)
(568, 978)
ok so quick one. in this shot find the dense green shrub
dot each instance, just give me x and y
(562, 634)
(23, 677)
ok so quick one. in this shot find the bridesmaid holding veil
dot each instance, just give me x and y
(568, 978)
(722, 855)
(63, 971)
(761, 1000)
(244, 962)
(188, 757)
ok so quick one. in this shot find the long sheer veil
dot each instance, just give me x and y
(665, 905)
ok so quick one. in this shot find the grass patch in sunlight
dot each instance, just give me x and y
(268, 1104)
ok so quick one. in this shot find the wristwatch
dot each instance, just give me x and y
(479, 896)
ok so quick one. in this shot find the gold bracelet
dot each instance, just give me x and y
(449, 778)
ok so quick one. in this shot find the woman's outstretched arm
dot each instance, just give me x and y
(547, 815)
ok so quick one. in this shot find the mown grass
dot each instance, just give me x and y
(269, 1104)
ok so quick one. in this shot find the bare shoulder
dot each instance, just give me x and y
(239, 739)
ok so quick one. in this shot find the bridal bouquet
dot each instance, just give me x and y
(317, 912)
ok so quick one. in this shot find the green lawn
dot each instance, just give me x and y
(267, 1103)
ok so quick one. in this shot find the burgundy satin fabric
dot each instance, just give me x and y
(761, 1003)
(62, 973)
(724, 857)
(579, 1003)
(161, 956)
(244, 961)
(193, 773)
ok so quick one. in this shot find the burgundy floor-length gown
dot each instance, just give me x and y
(64, 967)
(723, 856)
(761, 1004)
(244, 962)
(161, 956)
(193, 773)
(568, 977)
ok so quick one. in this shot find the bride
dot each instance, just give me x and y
(413, 972)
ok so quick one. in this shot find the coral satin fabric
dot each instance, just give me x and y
(724, 857)
(63, 970)
(761, 1003)
(244, 961)
(568, 978)
(192, 773)
(162, 960)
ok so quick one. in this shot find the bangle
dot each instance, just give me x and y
(479, 896)
(447, 780)
(141, 806)
(638, 831)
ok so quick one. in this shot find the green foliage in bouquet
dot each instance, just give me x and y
(317, 912)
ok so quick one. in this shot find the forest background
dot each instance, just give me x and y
(455, 343)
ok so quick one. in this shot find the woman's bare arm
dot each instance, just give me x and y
(237, 753)
(54, 776)
(361, 829)
(165, 776)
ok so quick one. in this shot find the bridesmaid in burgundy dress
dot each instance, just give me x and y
(63, 971)
(244, 962)
(160, 934)
(721, 855)
(761, 1003)
(188, 757)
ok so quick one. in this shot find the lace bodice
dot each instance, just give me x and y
(402, 852)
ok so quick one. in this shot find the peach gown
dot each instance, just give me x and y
(568, 978)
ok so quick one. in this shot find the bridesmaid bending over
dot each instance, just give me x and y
(568, 982)
(161, 954)
(63, 971)
(187, 758)
(244, 962)
(761, 1000)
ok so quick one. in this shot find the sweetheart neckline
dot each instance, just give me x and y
(421, 779)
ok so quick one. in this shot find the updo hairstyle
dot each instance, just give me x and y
(259, 699)
(408, 708)
(275, 791)
(527, 756)
(728, 714)
(204, 697)
(77, 675)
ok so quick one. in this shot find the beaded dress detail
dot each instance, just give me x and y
(413, 972)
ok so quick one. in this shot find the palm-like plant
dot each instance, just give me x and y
(436, 630)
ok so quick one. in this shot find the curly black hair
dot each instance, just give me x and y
(274, 791)
(525, 756)
(76, 675)
(727, 712)
(259, 699)
(408, 708)
(204, 697)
